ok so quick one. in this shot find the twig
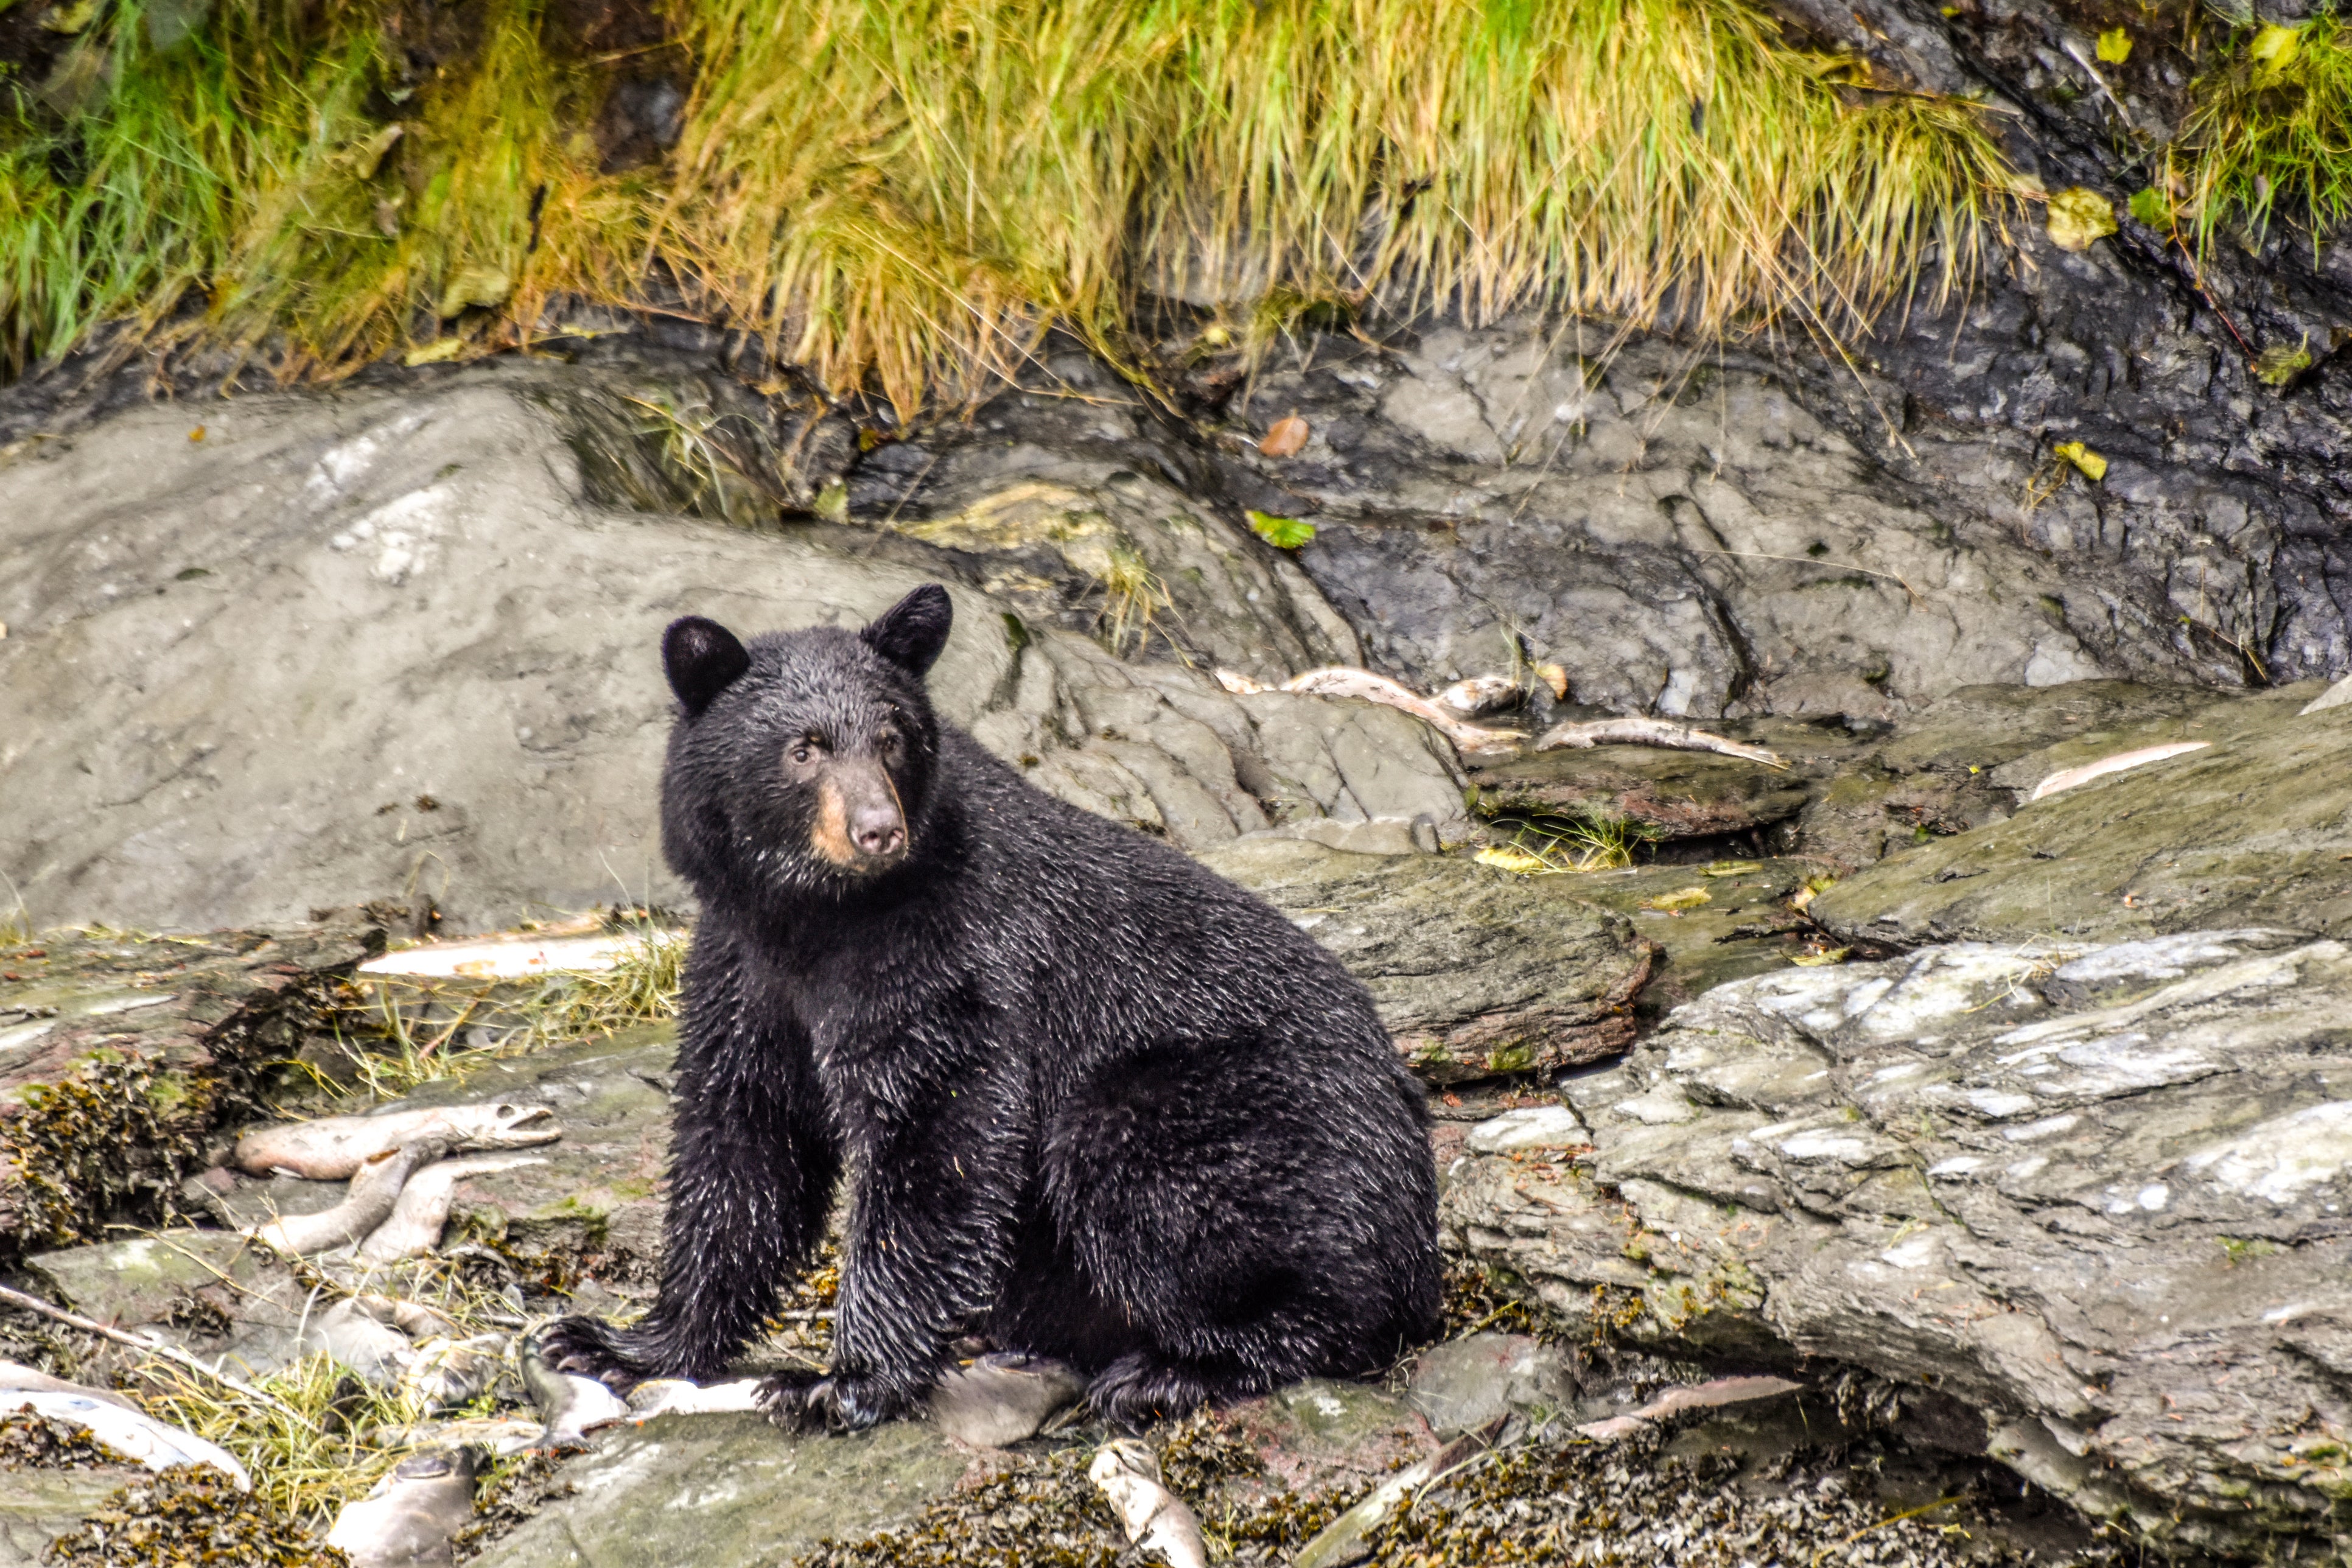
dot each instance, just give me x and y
(2074, 51)
(152, 1346)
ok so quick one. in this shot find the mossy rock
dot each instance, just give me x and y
(2254, 829)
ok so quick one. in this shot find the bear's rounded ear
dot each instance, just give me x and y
(702, 660)
(911, 633)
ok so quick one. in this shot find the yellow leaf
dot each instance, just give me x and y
(2278, 365)
(1732, 868)
(2274, 48)
(1504, 858)
(2115, 45)
(2094, 466)
(1816, 960)
(2078, 217)
(1683, 899)
(71, 19)
(483, 285)
(435, 352)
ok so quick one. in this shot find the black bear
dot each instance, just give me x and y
(1095, 1103)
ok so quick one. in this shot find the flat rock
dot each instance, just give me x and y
(38, 1504)
(120, 1053)
(399, 648)
(1954, 765)
(1475, 970)
(728, 1491)
(1673, 794)
(1743, 927)
(2253, 829)
(1463, 1384)
(2097, 1195)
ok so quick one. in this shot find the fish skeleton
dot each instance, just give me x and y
(375, 1193)
(335, 1147)
(1153, 1517)
(677, 1397)
(134, 1434)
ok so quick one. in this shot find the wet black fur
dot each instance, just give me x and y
(1095, 1102)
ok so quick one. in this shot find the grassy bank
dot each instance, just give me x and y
(905, 192)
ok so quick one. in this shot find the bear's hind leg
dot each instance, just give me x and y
(1248, 1227)
(1144, 1386)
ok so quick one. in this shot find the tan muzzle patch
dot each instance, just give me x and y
(829, 839)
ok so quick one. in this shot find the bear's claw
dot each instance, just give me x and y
(803, 1402)
(589, 1347)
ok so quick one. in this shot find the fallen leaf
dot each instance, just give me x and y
(1285, 438)
(831, 502)
(2274, 48)
(1282, 533)
(1732, 868)
(1682, 898)
(2115, 45)
(1556, 677)
(2152, 207)
(2077, 216)
(1504, 858)
(1817, 959)
(2094, 466)
(482, 285)
(70, 18)
(197, 434)
(435, 352)
(2278, 365)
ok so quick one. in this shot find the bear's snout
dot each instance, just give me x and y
(876, 830)
(860, 825)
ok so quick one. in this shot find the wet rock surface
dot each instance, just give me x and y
(120, 1052)
(2250, 829)
(448, 703)
(1475, 971)
(728, 1489)
(2081, 1205)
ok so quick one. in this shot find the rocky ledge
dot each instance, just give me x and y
(2082, 1207)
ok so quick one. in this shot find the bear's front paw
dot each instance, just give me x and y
(589, 1347)
(803, 1402)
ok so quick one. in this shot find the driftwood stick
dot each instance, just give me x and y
(1651, 732)
(153, 1347)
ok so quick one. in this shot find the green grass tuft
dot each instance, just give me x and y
(2272, 133)
(906, 194)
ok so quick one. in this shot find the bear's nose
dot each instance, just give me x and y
(878, 831)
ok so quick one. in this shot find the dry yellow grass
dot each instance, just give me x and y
(906, 194)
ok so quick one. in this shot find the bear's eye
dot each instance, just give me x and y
(805, 749)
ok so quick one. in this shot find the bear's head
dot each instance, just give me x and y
(801, 763)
